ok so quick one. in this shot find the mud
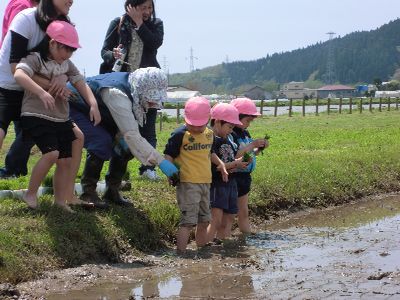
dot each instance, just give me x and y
(351, 251)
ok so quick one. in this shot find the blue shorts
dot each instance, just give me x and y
(243, 180)
(224, 195)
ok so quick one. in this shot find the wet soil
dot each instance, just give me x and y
(350, 251)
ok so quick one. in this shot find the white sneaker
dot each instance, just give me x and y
(150, 175)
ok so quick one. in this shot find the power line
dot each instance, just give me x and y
(330, 63)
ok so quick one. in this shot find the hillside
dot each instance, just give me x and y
(359, 57)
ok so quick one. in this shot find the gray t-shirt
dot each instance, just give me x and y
(31, 104)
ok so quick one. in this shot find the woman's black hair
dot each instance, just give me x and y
(46, 13)
(139, 2)
(43, 48)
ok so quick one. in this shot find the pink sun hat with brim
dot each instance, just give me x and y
(245, 106)
(64, 33)
(225, 112)
(197, 111)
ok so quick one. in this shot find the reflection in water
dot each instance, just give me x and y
(153, 288)
(202, 284)
(310, 256)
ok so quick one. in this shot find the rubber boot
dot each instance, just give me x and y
(116, 171)
(89, 179)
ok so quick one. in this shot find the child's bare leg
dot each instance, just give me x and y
(243, 214)
(2, 136)
(215, 224)
(61, 189)
(39, 171)
(201, 234)
(225, 230)
(77, 146)
(182, 238)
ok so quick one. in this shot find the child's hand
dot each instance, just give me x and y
(224, 172)
(240, 164)
(58, 85)
(48, 100)
(94, 114)
(259, 143)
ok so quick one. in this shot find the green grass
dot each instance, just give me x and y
(311, 161)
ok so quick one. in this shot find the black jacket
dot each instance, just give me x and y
(151, 34)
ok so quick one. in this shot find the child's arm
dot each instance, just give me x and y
(220, 166)
(250, 147)
(87, 94)
(23, 79)
(169, 158)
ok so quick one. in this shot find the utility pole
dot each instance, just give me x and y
(191, 60)
(330, 63)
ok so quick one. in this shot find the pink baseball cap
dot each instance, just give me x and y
(245, 106)
(64, 33)
(225, 112)
(197, 111)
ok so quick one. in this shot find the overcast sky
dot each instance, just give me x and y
(230, 30)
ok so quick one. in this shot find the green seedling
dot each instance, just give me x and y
(174, 179)
(246, 157)
(266, 137)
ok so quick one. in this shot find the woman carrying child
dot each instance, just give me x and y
(45, 119)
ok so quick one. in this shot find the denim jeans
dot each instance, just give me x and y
(97, 139)
(18, 155)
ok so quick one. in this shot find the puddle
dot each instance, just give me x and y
(349, 251)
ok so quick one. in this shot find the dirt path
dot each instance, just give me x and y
(350, 251)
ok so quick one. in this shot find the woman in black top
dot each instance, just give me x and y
(138, 34)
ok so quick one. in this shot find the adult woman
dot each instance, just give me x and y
(138, 34)
(25, 33)
(123, 100)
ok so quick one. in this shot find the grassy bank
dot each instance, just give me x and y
(312, 161)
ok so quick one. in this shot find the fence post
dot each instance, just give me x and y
(361, 104)
(304, 107)
(370, 104)
(177, 112)
(389, 104)
(276, 107)
(160, 115)
(340, 105)
(380, 104)
(317, 107)
(329, 106)
(290, 106)
(397, 103)
(262, 107)
(351, 105)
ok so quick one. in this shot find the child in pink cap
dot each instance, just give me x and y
(46, 119)
(241, 136)
(190, 147)
(223, 194)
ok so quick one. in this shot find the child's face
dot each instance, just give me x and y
(246, 122)
(59, 52)
(223, 130)
(196, 129)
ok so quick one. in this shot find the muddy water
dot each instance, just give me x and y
(351, 251)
